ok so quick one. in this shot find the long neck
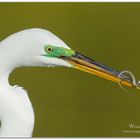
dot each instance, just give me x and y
(16, 113)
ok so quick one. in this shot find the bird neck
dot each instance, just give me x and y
(16, 112)
(4, 75)
(7, 65)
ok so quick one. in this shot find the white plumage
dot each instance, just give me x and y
(24, 48)
(38, 47)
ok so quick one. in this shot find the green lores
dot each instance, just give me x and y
(54, 51)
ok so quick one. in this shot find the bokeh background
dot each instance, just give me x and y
(68, 102)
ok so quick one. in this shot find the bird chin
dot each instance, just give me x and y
(52, 62)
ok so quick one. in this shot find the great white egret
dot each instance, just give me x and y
(37, 47)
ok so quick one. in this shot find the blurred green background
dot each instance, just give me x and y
(68, 102)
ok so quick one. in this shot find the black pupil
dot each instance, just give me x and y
(49, 49)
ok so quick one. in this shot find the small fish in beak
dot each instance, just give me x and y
(86, 64)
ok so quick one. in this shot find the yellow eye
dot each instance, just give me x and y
(49, 49)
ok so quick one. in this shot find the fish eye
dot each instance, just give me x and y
(49, 49)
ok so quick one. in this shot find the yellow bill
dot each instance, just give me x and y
(86, 64)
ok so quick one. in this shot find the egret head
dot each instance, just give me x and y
(39, 47)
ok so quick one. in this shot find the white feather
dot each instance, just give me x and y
(24, 48)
